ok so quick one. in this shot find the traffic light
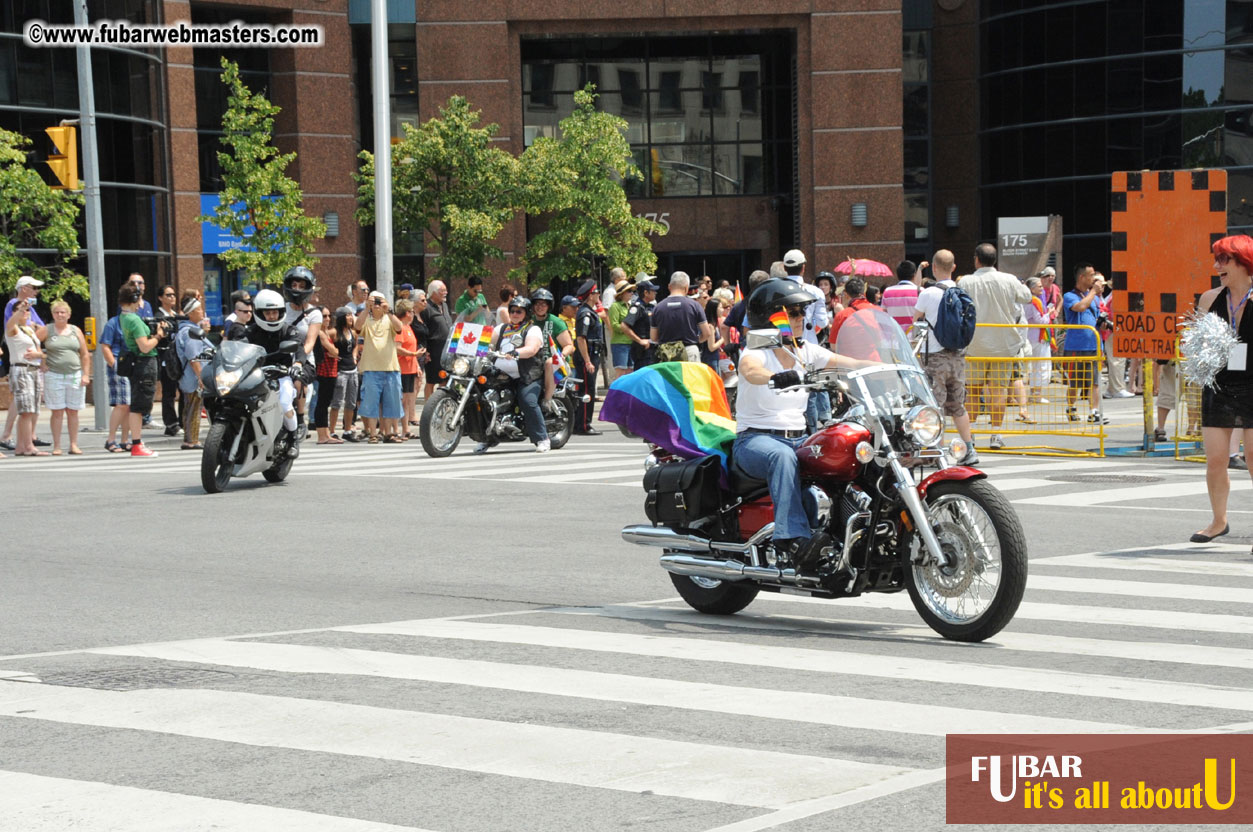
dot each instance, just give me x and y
(64, 162)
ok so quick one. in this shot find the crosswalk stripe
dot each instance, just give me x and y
(1019, 483)
(1149, 651)
(695, 771)
(1149, 564)
(819, 709)
(831, 661)
(35, 803)
(1141, 589)
(475, 465)
(549, 463)
(1014, 465)
(1069, 613)
(1088, 497)
(635, 477)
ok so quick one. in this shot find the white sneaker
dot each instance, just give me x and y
(1044, 401)
(1126, 394)
(971, 458)
(996, 442)
(543, 446)
(481, 448)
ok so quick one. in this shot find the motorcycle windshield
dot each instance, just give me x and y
(894, 382)
(232, 355)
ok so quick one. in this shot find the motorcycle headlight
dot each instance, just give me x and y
(924, 425)
(461, 366)
(224, 381)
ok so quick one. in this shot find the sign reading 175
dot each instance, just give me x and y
(1013, 240)
(661, 219)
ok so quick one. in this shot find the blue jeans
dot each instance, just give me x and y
(765, 456)
(817, 411)
(380, 395)
(528, 402)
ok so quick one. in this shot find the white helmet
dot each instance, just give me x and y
(268, 299)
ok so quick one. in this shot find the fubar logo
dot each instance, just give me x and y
(1100, 778)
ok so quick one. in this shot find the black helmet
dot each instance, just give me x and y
(542, 294)
(519, 302)
(292, 294)
(771, 296)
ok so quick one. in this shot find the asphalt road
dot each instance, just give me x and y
(387, 641)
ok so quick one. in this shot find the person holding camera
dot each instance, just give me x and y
(380, 370)
(1082, 306)
(167, 361)
(139, 363)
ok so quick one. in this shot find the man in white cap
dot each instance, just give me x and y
(27, 289)
(817, 318)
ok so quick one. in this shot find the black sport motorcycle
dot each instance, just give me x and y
(479, 401)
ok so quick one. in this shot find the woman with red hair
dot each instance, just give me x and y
(1228, 405)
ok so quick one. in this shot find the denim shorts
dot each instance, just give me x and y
(621, 354)
(380, 395)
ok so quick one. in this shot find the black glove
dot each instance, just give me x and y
(296, 372)
(785, 379)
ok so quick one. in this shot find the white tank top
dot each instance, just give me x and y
(21, 342)
(757, 406)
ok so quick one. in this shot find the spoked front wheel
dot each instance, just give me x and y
(977, 594)
(439, 433)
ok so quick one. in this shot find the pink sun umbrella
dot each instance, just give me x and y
(865, 268)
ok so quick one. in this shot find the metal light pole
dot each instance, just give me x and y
(382, 148)
(91, 218)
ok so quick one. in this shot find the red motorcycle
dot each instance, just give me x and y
(946, 536)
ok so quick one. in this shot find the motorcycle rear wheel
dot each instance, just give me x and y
(564, 423)
(215, 464)
(714, 597)
(439, 438)
(977, 595)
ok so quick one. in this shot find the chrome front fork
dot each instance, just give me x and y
(465, 399)
(909, 495)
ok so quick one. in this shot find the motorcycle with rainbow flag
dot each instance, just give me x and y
(901, 515)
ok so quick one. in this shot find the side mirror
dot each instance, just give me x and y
(289, 347)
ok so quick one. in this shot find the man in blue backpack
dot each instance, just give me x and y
(946, 368)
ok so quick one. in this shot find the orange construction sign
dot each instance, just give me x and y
(1163, 225)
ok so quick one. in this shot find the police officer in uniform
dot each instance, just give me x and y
(638, 320)
(590, 348)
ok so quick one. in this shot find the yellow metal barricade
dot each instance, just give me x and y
(1042, 394)
(1187, 413)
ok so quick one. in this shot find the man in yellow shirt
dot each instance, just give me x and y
(380, 369)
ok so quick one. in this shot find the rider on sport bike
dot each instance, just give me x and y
(268, 330)
(770, 421)
(519, 343)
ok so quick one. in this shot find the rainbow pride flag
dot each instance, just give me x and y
(558, 360)
(678, 405)
(455, 338)
(485, 340)
(779, 319)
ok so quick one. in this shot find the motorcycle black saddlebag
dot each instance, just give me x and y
(680, 493)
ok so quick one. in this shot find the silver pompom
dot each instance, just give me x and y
(1205, 345)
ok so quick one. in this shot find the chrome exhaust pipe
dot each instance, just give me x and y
(665, 538)
(732, 570)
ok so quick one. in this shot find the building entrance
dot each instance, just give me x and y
(732, 266)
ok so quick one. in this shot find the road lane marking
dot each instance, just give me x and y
(35, 803)
(1086, 497)
(597, 759)
(1116, 560)
(819, 709)
(835, 662)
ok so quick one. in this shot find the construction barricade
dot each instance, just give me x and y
(1035, 395)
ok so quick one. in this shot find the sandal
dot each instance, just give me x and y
(373, 440)
(1026, 420)
(393, 440)
(190, 446)
(76, 451)
(56, 452)
(113, 447)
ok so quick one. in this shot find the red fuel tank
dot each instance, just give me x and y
(829, 452)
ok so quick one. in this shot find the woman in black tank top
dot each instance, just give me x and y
(1228, 405)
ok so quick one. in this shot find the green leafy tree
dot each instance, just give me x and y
(576, 181)
(450, 185)
(259, 202)
(35, 215)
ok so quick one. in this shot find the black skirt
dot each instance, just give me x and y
(1229, 406)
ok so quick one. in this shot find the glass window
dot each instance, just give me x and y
(711, 98)
(8, 72)
(541, 84)
(679, 117)
(637, 123)
(1240, 197)
(738, 169)
(917, 165)
(916, 57)
(34, 77)
(750, 91)
(917, 214)
(629, 82)
(542, 112)
(917, 123)
(685, 170)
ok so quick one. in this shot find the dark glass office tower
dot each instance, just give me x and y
(1072, 91)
